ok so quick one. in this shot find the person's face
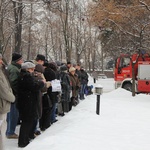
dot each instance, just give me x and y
(31, 70)
(68, 65)
(78, 67)
(41, 62)
(20, 61)
(72, 72)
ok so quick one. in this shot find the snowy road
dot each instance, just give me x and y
(123, 124)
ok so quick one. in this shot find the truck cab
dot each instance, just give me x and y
(124, 69)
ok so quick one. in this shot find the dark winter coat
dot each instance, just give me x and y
(75, 84)
(29, 96)
(78, 73)
(66, 86)
(84, 77)
(50, 75)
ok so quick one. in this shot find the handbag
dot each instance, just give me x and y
(46, 101)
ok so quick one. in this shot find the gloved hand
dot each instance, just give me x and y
(48, 84)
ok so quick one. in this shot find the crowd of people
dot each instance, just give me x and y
(27, 95)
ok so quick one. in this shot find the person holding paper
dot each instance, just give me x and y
(50, 74)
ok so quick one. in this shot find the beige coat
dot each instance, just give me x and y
(75, 83)
(6, 95)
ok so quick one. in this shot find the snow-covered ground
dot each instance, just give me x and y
(123, 124)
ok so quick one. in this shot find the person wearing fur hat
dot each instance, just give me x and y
(39, 69)
(12, 117)
(75, 83)
(28, 102)
(6, 98)
(40, 59)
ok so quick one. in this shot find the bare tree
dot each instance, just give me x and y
(18, 10)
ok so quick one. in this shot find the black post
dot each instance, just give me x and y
(94, 80)
(98, 105)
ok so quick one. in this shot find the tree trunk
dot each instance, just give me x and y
(29, 40)
(18, 10)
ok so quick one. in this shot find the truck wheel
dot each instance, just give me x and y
(128, 86)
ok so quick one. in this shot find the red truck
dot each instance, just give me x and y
(123, 72)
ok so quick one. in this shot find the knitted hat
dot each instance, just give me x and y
(58, 63)
(71, 69)
(53, 66)
(63, 68)
(39, 68)
(27, 65)
(40, 57)
(16, 57)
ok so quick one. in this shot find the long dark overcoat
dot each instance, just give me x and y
(29, 96)
(66, 86)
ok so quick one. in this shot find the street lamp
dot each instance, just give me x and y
(98, 92)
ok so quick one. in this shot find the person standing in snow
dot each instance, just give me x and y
(66, 88)
(12, 117)
(6, 98)
(28, 102)
(75, 85)
(44, 121)
(39, 61)
(84, 82)
(50, 74)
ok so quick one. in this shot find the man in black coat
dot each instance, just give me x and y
(66, 88)
(50, 74)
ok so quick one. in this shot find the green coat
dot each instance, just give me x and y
(6, 95)
(14, 71)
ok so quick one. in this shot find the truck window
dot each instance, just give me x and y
(124, 62)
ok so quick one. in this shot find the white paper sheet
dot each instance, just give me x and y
(56, 86)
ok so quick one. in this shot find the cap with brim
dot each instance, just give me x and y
(39, 68)
(27, 65)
